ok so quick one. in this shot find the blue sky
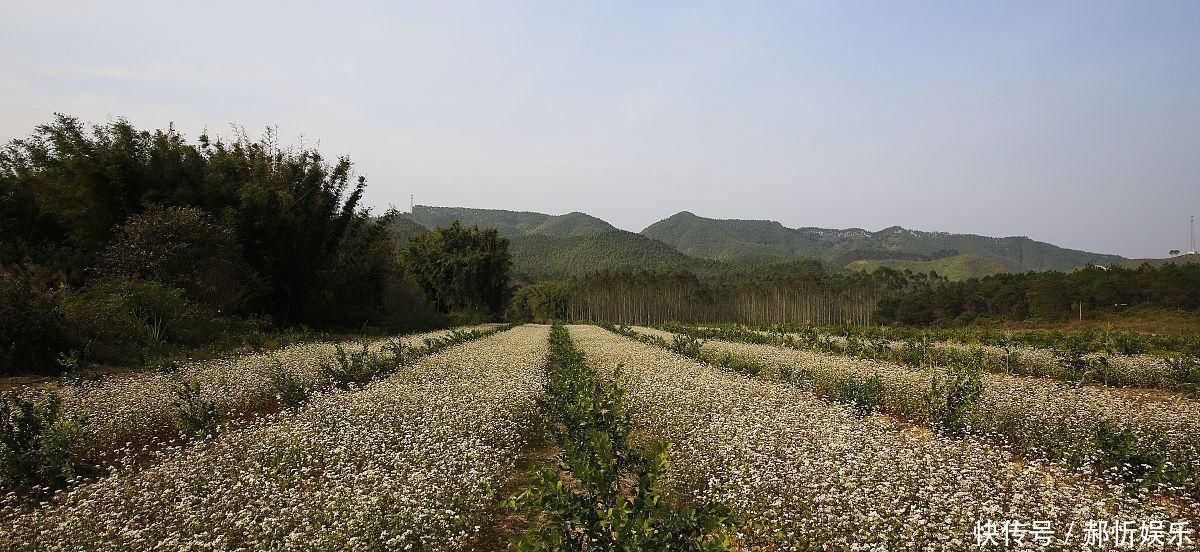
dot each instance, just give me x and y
(1076, 123)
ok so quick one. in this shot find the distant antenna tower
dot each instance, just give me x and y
(1192, 220)
(410, 206)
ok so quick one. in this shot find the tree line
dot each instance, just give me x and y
(122, 245)
(655, 296)
(1049, 296)
(883, 297)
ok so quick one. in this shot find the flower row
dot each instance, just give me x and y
(808, 474)
(1149, 438)
(409, 462)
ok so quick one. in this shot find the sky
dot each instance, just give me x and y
(1076, 123)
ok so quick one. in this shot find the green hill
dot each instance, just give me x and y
(737, 239)
(549, 246)
(405, 230)
(575, 243)
(542, 256)
(1187, 258)
(512, 223)
(958, 267)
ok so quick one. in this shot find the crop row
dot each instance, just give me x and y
(407, 462)
(809, 474)
(1148, 439)
(118, 421)
(1176, 372)
(1109, 342)
(588, 499)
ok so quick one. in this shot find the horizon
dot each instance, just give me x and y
(1071, 123)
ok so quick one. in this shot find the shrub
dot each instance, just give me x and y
(1119, 453)
(686, 345)
(350, 369)
(38, 443)
(181, 247)
(196, 416)
(952, 394)
(290, 390)
(31, 330)
(129, 321)
(1079, 368)
(1185, 369)
(914, 353)
(731, 363)
(864, 395)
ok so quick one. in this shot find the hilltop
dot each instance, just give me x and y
(576, 243)
(1186, 258)
(732, 239)
(512, 223)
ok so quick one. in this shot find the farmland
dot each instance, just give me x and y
(591, 437)
(600, 277)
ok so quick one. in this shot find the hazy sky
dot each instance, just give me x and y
(1076, 123)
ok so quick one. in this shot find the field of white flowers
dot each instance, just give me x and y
(761, 455)
(1040, 418)
(1118, 369)
(407, 462)
(137, 410)
(812, 474)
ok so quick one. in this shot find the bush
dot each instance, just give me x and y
(914, 353)
(1185, 369)
(350, 369)
(38, 443)
(129, 321)
(290, 390)
(1078, 368)
(731, 363)
(197, 417)
(1120, 453)
(31, 330)
(181, 247)
(865, 396)
(686, 345)
(951, 396)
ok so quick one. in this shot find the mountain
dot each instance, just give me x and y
(546, 246)
(542, 256)
(957, 267)
(735, 240)
(551, 246)
(512, 223)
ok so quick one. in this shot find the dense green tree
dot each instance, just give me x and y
(31, 328)
(545, 301)
(182, 247)
(74, 198)
(242, 226)
(1044, 295)
(464, 270)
